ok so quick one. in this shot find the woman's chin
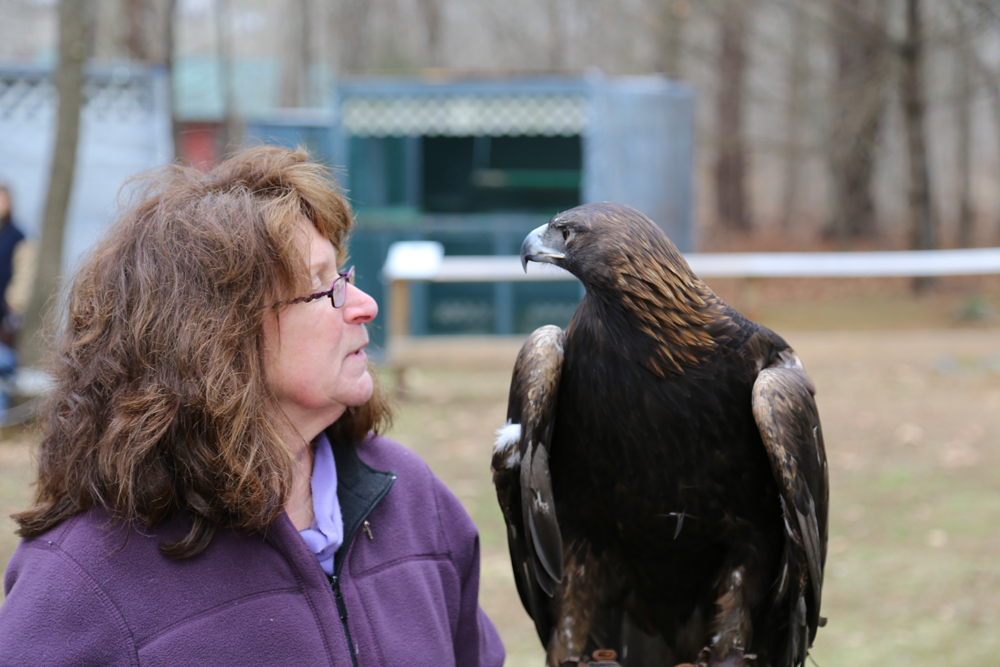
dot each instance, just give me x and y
(363, 390)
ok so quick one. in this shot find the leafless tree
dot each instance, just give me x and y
(136, 22)
(777, 93)
(556, 38)
(233, 134)
(797, 74)
(991, 78)
(297, 56)
(668, 32)
(75, 25)
(170, 60)
(353, 32)
(432, 13)
(985, 15)
(731, 197)
(857, 101)
(912, 87)
(963, 123)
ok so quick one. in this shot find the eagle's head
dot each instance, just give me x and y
(600, 243)
(638, 282)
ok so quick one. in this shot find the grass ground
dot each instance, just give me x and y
(909, 394)
(910, 418)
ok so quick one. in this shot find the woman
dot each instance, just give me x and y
(211, 490)
(10, 239)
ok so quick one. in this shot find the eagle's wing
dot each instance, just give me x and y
(521, 474)
(785, 410)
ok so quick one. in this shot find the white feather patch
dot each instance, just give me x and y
(790, 360)
(508, 437)
(539, 503)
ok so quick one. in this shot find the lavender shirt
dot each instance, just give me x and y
(326, 533)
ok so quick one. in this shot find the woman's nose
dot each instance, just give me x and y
(359, 307)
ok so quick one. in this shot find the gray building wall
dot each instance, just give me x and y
(124, 130)
(639, 150)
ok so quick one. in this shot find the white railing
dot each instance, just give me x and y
(425, 260)
(410, 261)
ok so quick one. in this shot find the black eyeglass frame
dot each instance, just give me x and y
(337, 291)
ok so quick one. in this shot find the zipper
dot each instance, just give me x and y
(342, 610)
(339, 564)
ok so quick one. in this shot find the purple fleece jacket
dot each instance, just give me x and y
(85, 594)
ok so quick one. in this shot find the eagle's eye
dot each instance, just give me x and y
(565, 233)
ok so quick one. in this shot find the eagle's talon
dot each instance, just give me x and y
(600, 658)
(735, 657)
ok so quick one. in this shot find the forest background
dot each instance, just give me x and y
(864, 122)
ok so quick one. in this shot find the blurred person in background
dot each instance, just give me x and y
(11, 239)
(212, 488)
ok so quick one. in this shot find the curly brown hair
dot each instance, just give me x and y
(160, 404)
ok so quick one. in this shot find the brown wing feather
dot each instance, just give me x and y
(521, 474)
(786, 414)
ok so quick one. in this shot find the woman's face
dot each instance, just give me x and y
(314, 354)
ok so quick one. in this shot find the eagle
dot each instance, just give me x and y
(662, 472)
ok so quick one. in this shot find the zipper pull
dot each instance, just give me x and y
(368, 529)
(341, 607)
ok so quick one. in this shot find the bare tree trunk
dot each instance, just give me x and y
(858, 104)
(798, 72)
(671, 18)
(353, 34)
(136, 44)
(991, 80)
(994, 89)
(295, 90)
(556, 38)
(170, 57)
(731, 200)
(74, 41)
(963, 118)
(432, 12)
(233, 134)
(914, 111)
(306, 55)
(995, 99)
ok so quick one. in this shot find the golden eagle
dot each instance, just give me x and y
(662, 471)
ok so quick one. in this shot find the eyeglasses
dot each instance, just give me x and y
(337, 291)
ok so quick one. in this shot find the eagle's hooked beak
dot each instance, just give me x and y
(541, 245)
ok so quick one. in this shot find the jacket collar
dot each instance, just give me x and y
(360, 488)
